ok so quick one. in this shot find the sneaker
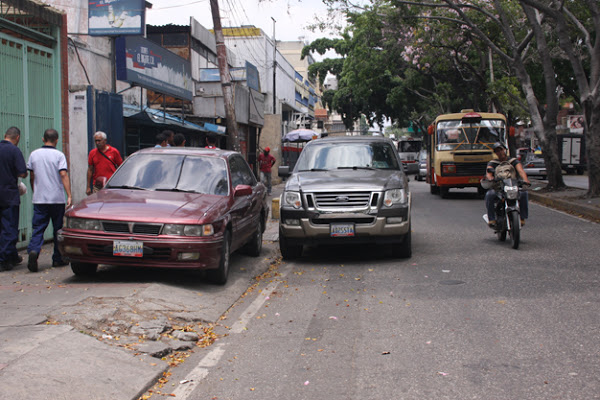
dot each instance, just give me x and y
(522, 223)
(492, 224)
(32, 264)
(60, 263)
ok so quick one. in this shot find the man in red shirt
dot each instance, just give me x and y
(102, 161)
(265, 163)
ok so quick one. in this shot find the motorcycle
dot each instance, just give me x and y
(508, 217)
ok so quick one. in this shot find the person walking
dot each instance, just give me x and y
(160, 140)
(12, 167)
(103, 161)
(179, 140)
(211, 141)
(265, 163)
(49, 178)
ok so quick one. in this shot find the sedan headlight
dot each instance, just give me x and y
(84, 224)
(292, 199)
(188, 230)
(395, 196)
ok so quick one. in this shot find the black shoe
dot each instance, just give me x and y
(32, 264)
(6, 266)
(60, 263)
(16, 260)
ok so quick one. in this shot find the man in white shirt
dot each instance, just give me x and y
(49, 181)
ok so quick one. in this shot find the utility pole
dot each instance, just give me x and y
(274, 69)
(228, 95)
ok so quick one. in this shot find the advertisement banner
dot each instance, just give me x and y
(116, 17)
(141, 62)
(576, 123)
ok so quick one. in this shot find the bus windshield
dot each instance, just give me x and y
(466, 135)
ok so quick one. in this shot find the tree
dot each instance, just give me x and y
(578, 28)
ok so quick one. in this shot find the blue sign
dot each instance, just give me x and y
(252, 77)
(141, 62)
(116, 17)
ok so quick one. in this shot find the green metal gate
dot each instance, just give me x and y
(29, 100)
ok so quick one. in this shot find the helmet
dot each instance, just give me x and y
(267, 149)
(498, 145)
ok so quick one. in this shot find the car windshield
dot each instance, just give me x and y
(467, 135)
(172, 172)
(409, 146)
(340, 155)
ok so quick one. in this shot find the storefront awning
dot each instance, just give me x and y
(158, 117)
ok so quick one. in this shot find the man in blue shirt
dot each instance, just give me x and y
(49, 181)
(12, 167)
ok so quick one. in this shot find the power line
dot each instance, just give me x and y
(179, 5)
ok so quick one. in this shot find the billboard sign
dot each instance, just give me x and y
(141, 62)
(116, 17)
(576, 123)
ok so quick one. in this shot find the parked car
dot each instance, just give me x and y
(346, 190)
(169, 207)
(534, 166)
(422, 174)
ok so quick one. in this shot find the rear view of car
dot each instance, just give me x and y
(346, 190)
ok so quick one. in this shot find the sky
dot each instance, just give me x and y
(291, 16)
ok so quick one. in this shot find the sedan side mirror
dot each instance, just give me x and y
(242, 190)
(283, 171)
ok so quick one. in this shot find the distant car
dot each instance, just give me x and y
(170, 207)
(346, 190)
(534, 166)
(422, 174)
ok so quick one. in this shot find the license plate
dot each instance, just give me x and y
(474, 180)
(128, 248)
(341, 230)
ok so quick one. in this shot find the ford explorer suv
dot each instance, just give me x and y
(346, 190)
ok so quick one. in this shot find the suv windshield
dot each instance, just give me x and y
(326, 156)
(172, 172)
(457, 134)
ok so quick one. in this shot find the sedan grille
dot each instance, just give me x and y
(342, 199)
(126, 227)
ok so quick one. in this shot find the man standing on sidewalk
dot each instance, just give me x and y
(12, 167)
(265, 163)
(49, 181)
(103, 161)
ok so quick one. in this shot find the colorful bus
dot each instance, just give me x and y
(460, 148)
(408, 150)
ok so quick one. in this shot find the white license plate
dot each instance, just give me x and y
(128, 248)
(341, 230)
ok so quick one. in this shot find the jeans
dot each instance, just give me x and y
(9, 232)
(265, 177)
(490, 204)
(42, 214)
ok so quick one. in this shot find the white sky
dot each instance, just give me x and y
(292, 16)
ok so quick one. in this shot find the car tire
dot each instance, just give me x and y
(219, 275)
(84, 269)
(288, 251)
(444, 192)
(254, 246)
(404, 249)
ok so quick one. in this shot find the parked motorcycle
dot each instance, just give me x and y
(508, 216)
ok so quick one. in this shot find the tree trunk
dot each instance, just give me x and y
(592, 146)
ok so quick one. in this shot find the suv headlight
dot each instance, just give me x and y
(84, 224)
(292, 199)
(395, 196)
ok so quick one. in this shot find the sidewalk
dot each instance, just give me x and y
(572, 201)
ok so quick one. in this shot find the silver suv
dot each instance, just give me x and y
(346, 190)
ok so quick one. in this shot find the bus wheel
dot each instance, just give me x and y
(444, 192)
(434, 189)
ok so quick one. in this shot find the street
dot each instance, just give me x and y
(465, 317)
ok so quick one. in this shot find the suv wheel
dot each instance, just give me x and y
(404, 249)
(288, 251)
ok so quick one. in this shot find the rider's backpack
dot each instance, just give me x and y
(505, 170)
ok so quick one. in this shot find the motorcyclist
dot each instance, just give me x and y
(490, 196)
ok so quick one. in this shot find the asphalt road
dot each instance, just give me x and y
(466, 317)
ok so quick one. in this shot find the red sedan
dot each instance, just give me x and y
(169, 207)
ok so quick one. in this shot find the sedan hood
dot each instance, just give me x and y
(345, 179)
(149, 206)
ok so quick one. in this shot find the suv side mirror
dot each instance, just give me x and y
(283, 171)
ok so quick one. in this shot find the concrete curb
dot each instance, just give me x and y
(574, 205)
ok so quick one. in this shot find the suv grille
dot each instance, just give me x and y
(123, 227)
(342, 199)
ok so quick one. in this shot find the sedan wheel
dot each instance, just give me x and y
(254, 246)
(84, 269)
(219, 275)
